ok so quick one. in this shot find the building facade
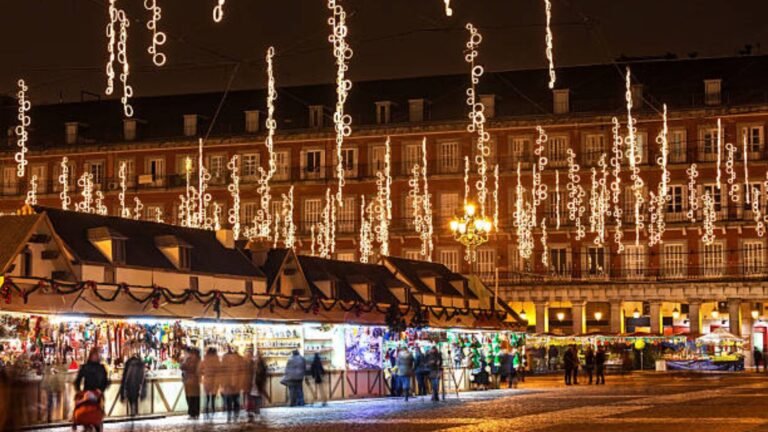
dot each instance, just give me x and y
(678, 285)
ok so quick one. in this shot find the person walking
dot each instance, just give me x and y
(600, 366)
(405, 371)
(758, 357)
(295, 369)
(53, 383)
(589, 363)
(569, 362)
(506, 369)
(211, 371)
(434, 367)
(317, 371)
(576, 365)
(132, 385)
(92, 380)
(190, 376)
(552, 357)
(231, 382)
(421, 371)
(258, 387)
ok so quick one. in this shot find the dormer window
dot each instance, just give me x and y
(190, 125)
(637, 95)
(712, 91)
(252, 121)
(489, 103)
(129, 129)
(561, 101)
(178, 252)
(71, 132)
(110, 243)
(315, 116)
(383, 112)
(416, 109)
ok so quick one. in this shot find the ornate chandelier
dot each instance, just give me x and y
(471, 230)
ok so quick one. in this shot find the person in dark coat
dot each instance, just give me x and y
(190, 376)
(295, 369)
(600, 366)
(589, 363)
(92, 375)
(434, 365)
(569, 362)
(258, 387)
(405, 371)
(552, 357)
(576, 364)
(132, 385)
(506, 369)
(481, 376)
(210, 368)
(421, 370)
(758, 356)
(317, 371)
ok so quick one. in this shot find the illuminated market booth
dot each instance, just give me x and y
(74, 281)
(719, 351)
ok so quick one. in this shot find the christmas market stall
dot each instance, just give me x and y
(719, 351)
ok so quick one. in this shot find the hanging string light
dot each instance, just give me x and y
(31, 198)
(276, 237)
(158, 37)
(477, 116)
(85, 182)
(66, 200)
(188, 206)
(122, 174)
(216, 216)
(137, 208)
(756, 213)
(343, 53)
(635, 156)
(21, 129)
(576, 195)
(557, 199)
(99, 206)
(203, 196)
(234, 191)
(366, 232)
(730, 173)
(263, 220)
(159, 215)
(524, 221)
(326, 233)
(544, 247)
(448, 10)
(659, 200)
(548, 39)
(496, 198)
(427, 242)
(746, 170)
(693, 199)
(599, 202)
(312, 250)
(289, 227)
(383, 207)
(618, 154)
(122, 58)
(539, 188)
(218, 11)
(111, 46)
(719, 150)
(710, 217)
(466, 180)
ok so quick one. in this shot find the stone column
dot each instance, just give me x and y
(578, 310)
(694, 315)
(747, 328)
(542, 317)
(657, 324)
(734, 316)
(617, 317)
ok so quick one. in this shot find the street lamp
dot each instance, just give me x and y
(636, 314)
(560, 316)
(715, 313)
(755, 314)
(523, 315)
(471, 230)
(675, 314)
(598, 316)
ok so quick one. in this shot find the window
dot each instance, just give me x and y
(673, 260)
(715, 193)
(283, 163)
(629, 203)
(71, 130)
(26, 262)
(129, 129)
(450, 259)
(156, 168)
(217, 168)
(449, 205)
(754, 138)
(130, 170)
(383, 112)
(10, 180)
(708, 147)
(448, 157)
(316, 116)
(712, 94)
(248, 210)
(520, 148)
(752, 259)
(349, 161)
(556, 149)
(675, 199)
(250, 165)
(348, 256)
(39, 170)
(676, 142)
(313, 209)
(96, 168)
(378, 154)
(412, 254)
(713, 259)
(252, 121)
(634, 261)
(555, 206)
(275, 208)
(312, 163)
(596, 262)
(347, 215)
(486, 262)
(594, 147)
(558, 261)
(190, 125)
(641, 147)
(184, 163)
(561, 101)
(411, 157)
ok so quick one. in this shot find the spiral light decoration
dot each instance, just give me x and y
(544, 247)
(634, 157)
(234, 191)
(730, 172)
(203, 196)
(557, 199)
(383, 203)
(343, 53)
(99, 206)
(218, 11)
(466, 180)
(427, 241)
(366, 231)
(85, 182)
(448, 9)
(159, 215)
(263, 220)
(21, 129)
(693, 199)
(496, 198)
(66, 200)
(31, 198)
(576, 195)
(719, 151)
(137, 208)
(746, 170)
(618, 154)
(523, 221)
(548, 40)
(122, 175)
(710, 217)
(158, 38)
(289, 227)
(477, 116)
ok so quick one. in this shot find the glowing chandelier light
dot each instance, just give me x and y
(710, 217)
(122, 174)
(693, 199)
(234, 191)
(66, 200)
(618, 154)
(158, 37)
(576, 195)
(85, 182)
(448, 10)
(634, 156)
(31, 198)
(548, 40)
(289, 227)
(383, 206)
(471, 231)
(218, 11)
(343, 53)
(263, 220)
(477, 116)
(21, 129)
(137, 208)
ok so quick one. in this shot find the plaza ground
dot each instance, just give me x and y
(636, 403)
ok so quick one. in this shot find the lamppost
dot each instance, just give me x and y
(471, 230)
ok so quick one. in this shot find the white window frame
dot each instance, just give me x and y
(312, 210)
(595, 144)
(347, 215)
(674, 260)
(249, 165)
(557, 268)
(592, 267)
(283, 165)
(634, 261)
(678, 143)
(712, 259)
(97, 168)
(557, 150)
(753, 257)
(449, 157)
(411, 156)
(451, 258)
(708, 143)
(318, 162)
(349, 161)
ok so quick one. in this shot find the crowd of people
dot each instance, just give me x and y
(593, 365)
(422, 366)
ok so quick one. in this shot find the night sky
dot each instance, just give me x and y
(59, 46)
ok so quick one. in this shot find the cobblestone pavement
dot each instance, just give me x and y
(647, 403)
